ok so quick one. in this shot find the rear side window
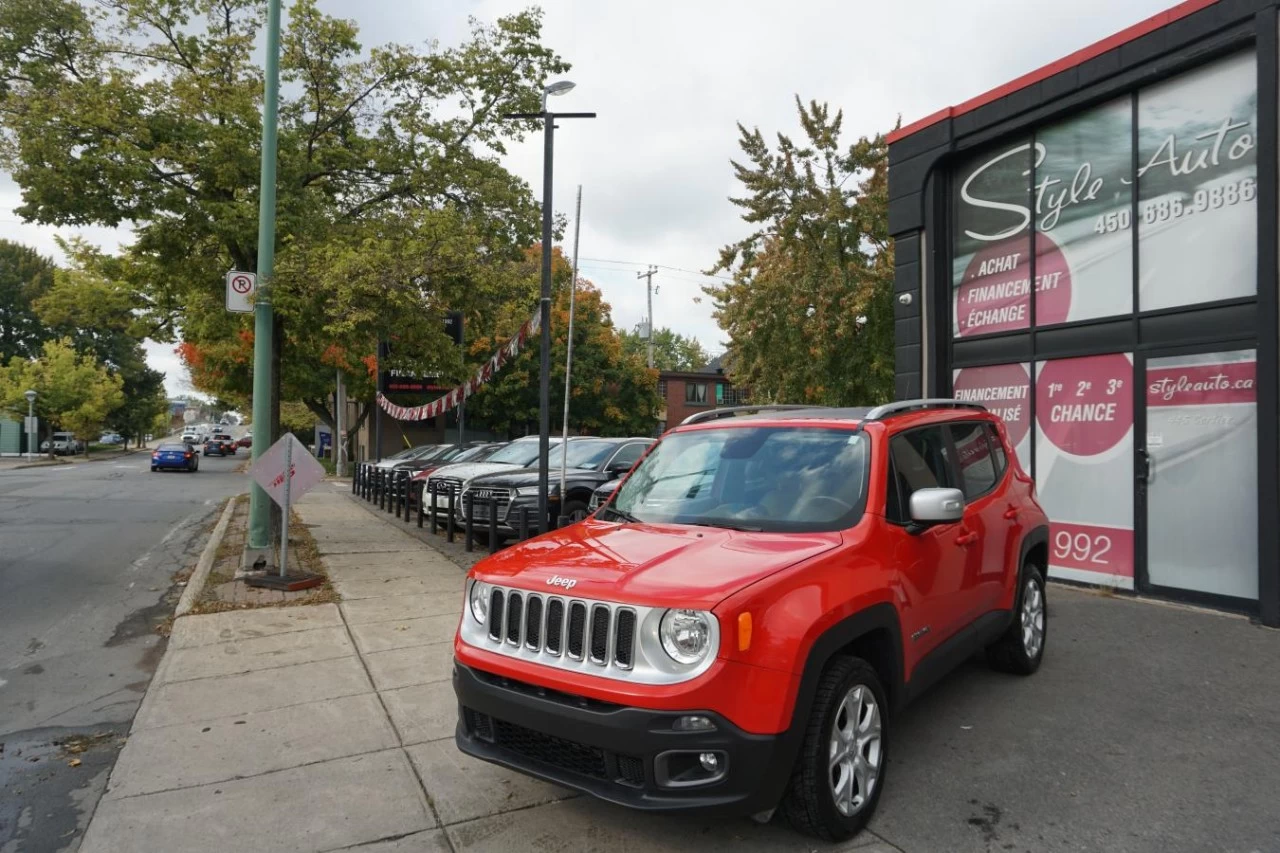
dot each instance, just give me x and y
(997, 451)
(918, 460)
(977, 464)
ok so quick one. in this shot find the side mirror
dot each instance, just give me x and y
(936, 506)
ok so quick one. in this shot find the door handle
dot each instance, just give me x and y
(967, 539)
(1011, 513)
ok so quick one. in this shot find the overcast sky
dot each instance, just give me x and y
(670, 79)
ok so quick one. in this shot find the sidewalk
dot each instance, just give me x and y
(41, 460)
(331, 726)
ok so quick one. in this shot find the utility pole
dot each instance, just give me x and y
(568, 360)
(649, 274)
(263, 315)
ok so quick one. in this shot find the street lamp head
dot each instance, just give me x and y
(559, 87)
(31, 396)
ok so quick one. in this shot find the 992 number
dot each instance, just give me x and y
(1081, 547)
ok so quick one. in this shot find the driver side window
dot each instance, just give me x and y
(917, 460)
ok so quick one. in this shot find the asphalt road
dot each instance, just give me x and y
(87, 556)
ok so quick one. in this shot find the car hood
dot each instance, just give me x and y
(468, 470)
(650, 564)
(516, 477)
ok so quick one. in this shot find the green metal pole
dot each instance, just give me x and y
(263, 316)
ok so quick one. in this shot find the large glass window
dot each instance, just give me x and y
(1197, 186)
(991, 264)
(1084, 466)
(1084, 207)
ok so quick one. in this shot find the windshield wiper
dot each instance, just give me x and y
(726, 525)
(625, 516)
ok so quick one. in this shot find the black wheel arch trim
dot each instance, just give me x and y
(881, 616)
(1035, 536)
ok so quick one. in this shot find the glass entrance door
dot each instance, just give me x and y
(1198, 473)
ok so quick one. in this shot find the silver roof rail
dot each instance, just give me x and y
(733, 411)
(881, 412)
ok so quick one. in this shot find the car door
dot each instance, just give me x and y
(985, 530)
(931, 563)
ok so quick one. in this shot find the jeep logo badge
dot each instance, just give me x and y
(567, 583)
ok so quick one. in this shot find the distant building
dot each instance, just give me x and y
(685, 392)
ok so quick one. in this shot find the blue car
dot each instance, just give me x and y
(181, 457)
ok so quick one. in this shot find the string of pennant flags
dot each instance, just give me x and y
(482, 376)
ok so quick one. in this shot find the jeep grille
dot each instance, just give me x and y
(589, 636)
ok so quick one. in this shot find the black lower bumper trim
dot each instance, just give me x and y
(610, 751)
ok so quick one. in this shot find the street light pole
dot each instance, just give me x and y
(263, 314)
(544, 379)
(568, 358)
(32, 437)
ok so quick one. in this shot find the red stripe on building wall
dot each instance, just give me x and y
(1098, 48)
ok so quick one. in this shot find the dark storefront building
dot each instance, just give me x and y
(1091, 251)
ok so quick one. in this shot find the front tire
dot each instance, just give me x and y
(840, 771)
(1021, 648)
(575, 511)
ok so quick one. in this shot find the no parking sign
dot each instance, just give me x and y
(240, 289)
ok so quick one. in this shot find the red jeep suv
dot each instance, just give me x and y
(737, 627)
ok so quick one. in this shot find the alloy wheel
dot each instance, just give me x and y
(1032, 619)
(855, 751)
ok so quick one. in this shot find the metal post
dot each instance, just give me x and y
(408, 504)
(422, 502)
(449, 522)
(284, 529)
(493, 524)
(462, 404)
(263, 315)
(339, 439)
(382, 488)
(568, 359)
(468, 504)
(33, 436)
(524, 523)
(544, 375)
(435, 509)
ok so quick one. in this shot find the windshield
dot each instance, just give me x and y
(474, 454)
(403, 454)
(519, 452)
(752, 478)
(583, 454)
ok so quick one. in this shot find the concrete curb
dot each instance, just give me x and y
(99, 457)
(195, 584)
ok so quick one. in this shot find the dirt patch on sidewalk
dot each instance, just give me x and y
(222, 591)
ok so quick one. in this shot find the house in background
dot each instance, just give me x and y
(685, 392)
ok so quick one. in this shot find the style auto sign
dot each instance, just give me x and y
(1195, 172)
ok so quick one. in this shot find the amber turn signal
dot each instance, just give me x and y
(744, 631)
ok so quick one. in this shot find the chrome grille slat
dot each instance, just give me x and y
(515, 610)
(575, 644)
(534, 620)
(495, 614)
(554, 642)
(598, 634)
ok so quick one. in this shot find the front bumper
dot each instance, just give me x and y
(621, 754)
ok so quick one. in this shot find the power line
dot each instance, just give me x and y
(659, 266)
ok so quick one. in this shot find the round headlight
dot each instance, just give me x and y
(480, 601)
(686, 635)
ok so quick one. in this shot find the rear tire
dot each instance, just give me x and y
(1021, 648)
(840, 771)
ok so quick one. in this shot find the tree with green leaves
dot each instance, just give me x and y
(74, 391)
(810, 309)
(671, 351)
(148, 112)
(25, 276)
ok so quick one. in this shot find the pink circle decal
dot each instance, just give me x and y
(1004, 389)
(1085, 405)
(993, 295)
